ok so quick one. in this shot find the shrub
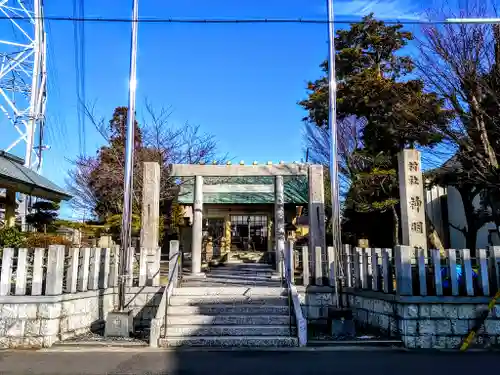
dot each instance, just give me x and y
(11, 237)
(45, 240)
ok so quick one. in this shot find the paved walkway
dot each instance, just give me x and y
(239, 274)
(289, 362)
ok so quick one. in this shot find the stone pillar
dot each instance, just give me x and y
(269, 234)
(55, 270)
(226, 247)
(174, 261)
(197, 240)
(10, 208)
(279, 220)
(150, 221)
(209, 249)
(317, 230)
(411, 193)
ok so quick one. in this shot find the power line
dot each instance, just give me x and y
(233, 21)
(79, 47)
(82, 73)
(77, 75)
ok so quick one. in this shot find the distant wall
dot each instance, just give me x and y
(457, 218)
(434, 210)
(486, 235)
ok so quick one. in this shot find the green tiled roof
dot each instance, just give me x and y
(295, 191)
(13, 174)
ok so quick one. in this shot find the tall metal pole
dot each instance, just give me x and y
(128, 183)
(332, 123)
(38, 49)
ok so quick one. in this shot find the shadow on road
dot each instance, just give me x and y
(249, 362)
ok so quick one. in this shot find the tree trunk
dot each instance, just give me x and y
(496, 34)
(396, 226)
(481, 128)
(490, 201)
(471, 232)
(470, 241)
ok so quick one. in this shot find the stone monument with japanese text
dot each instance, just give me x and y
(150, 224)
(411, 191)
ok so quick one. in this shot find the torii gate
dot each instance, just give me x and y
(316, 204)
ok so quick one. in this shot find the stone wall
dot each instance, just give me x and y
(40, 321)
(425, 322)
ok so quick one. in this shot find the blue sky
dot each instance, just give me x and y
(240, 82)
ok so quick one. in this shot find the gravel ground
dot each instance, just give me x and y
(141, 337)
(358, 337)
(320, 332)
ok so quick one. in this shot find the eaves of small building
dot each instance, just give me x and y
(15, 176)
(295, 191)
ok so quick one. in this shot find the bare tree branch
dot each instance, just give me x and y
(161, 142)
(318, 145)
(454, 60)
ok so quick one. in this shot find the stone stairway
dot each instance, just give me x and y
(238, 256)
(234, 306)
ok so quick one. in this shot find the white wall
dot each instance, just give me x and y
(433, 209)
(456, 216)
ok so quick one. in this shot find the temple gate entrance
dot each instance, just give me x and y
(249, 232)
(257, 202)
(215, 230)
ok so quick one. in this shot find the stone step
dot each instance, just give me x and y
(227, 309)
(254, 276)
(227, 271)
(229, 282)
(248, 261)
(202, 300)
(230, 341)
(249, 266)
(233, 271)
(208, 282)
(240, 275)
(228, 319)
(229, 330)
(230, 291)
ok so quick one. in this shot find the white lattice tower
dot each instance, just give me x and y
(23, 78)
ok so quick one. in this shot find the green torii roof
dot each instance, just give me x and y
(295, 189)
(14, 175)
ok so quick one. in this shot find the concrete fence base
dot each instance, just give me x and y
(41, 321)
(425, 322)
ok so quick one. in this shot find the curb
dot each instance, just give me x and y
(101, 344)
(138, 349)
(355, 343)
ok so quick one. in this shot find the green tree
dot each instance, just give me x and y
(374, 187)
(373, 83)
(44, 215)
(370, 73)
(106, 178)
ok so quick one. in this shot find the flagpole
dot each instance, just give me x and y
(128, 183)
(332, 123)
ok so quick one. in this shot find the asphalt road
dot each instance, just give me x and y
(248, 362)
